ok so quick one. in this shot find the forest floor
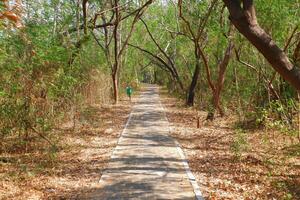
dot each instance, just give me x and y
(38, 172)
(230, 163)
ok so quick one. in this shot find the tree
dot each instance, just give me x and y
(119, 44)
(217, 87)
(165, 62)
(243, 16)
(196, 38)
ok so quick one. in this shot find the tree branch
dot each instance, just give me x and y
(244, 19)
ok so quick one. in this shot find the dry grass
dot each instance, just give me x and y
(37, 171)
(267, 165)
(230, 164)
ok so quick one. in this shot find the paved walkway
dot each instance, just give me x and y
(147, 163)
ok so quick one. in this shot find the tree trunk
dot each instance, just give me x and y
(84, 13)
(244, 19)
(56, 12)
(119, 45)
(221, 78)
(78, 19)
(216, 103)
(115, 88)
(217, 87)
(191, 95)
(115, 67)
(237, 88)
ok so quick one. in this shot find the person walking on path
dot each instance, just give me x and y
(129, 91)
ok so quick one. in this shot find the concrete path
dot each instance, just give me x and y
(147, 163)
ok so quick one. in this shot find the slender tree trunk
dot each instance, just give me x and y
(78, 19)
(56, 12)
(221, 76)
(115, 88)
(84, 13)
(115, 67)
(218, 86)
(237, 89)
(120, 46)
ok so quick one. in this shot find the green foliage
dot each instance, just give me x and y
(277, 116)
(37, 81)
(239, 144)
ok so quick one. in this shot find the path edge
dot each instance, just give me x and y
(112, 156)
(192, 179)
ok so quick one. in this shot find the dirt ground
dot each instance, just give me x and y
(39, 172)
(231, 164)
(228, 163)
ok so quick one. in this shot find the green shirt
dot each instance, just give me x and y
(128, 91)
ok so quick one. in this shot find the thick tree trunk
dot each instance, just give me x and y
(217, 102)
(244, 19)
(191, 94)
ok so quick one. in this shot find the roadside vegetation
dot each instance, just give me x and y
(232, 65)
